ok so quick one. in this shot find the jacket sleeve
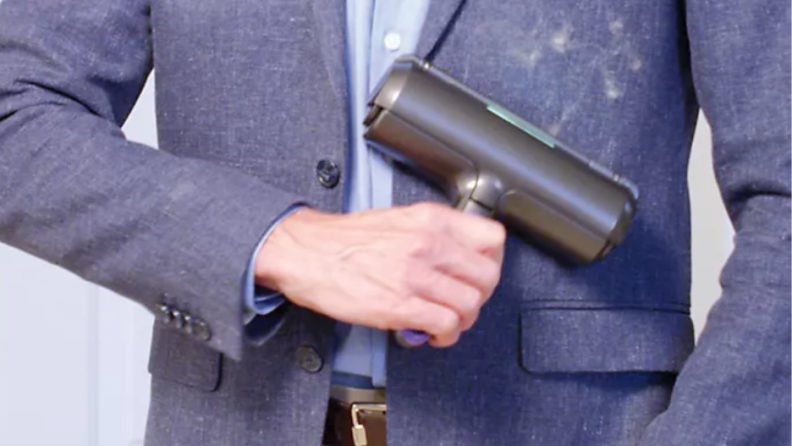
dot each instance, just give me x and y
(159, 229)
(264, 308)
(735, 388)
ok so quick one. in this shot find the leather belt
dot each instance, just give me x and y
(355, 417)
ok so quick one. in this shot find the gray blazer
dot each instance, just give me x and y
(251, 96)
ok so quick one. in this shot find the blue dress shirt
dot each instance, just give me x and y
(378, 31)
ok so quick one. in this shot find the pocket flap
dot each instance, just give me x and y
(604, 340)
(179, 358)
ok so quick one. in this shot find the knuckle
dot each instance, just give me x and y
(471, 302)
(416, 277)
(471, 321)
(491, 276)
(395, 312)
(425, 245)
(448, 323)
(384, 318)
(427, 213)
(447, 339)
(395, 319)
(498, 232)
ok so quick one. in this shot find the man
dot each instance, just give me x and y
(263, 177)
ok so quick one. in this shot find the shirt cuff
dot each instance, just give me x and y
(260, 301)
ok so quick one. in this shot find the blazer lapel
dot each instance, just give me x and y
(330, 17)
(437, 19)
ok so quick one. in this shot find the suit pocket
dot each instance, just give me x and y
(179, 358)
(573, 340)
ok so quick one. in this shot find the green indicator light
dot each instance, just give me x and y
(522, 125)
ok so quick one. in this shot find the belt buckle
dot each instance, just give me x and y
(358, 430)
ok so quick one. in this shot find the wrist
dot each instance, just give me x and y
(274, 256)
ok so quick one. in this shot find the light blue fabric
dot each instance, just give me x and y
(361, 350)
(259, 300)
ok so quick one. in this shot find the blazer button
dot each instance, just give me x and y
(163, 313)
(309, 360)
(197, 328)
(200, 330)
(188, 323)
(328, 173)
(178, 319)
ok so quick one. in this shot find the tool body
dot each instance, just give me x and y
(493, 163)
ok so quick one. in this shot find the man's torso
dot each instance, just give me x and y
(559, 354)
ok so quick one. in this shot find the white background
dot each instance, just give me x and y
(73, 356)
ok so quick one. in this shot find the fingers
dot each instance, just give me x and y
(369, 302)
(471, 267)
(436, 287)
(441, 323)
(443, 271)
(472, 231)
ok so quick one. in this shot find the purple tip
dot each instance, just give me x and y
(412, 338)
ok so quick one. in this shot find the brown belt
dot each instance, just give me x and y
(355, 417)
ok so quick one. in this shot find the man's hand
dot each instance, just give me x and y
(426, 267)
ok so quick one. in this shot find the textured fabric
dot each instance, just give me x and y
(252, 94)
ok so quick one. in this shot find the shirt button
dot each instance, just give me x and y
(392, 41)
(308, 359)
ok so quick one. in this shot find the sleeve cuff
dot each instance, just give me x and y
(260, 301)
